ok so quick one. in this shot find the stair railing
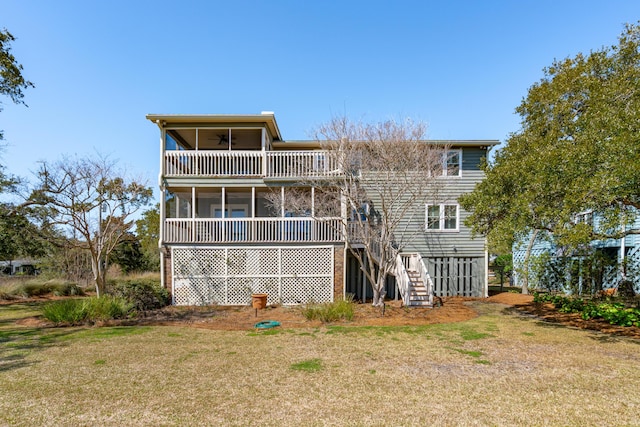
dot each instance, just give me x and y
(402, 280)
(415, 262)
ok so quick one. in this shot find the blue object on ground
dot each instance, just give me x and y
(267, 324)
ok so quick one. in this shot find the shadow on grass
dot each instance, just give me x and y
(18, 343)
(11, 313)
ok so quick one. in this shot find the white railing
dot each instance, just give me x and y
(415, 262)
(290, 164)
(252, 230)
(402, 280)
(213, 163)
(268, 164)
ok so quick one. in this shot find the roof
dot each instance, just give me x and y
(449, 142)
(266, 118)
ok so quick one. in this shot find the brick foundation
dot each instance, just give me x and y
(338, 273)
(167, 271)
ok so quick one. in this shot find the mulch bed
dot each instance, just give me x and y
(453, 309)
(548, 313)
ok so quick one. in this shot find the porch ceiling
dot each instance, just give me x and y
(269, 120)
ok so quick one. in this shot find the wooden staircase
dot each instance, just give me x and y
(418, 291)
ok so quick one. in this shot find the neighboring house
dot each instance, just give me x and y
(18, 266)
(613, 251)
(222, 239)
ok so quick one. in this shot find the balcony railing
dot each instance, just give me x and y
(252, 230)
(266, 164)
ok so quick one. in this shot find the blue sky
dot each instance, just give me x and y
(100, 66)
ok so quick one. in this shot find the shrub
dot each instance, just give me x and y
(82, 310)
(38, 287)
(143, 293)
(330, 312)
(65, 311)
(614, 313)
(33, 289)
(67, 289)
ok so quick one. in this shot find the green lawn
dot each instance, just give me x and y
(497, 369)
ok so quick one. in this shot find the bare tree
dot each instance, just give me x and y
(93, 203)
(378, 178)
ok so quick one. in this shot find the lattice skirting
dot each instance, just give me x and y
(228, 276)
(518, 263)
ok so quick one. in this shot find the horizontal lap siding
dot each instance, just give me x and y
(455, 260)
(445, 243)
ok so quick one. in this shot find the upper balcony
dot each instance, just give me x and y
(249, 164)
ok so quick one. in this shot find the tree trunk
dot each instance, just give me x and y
(98, 276)
(379, 292)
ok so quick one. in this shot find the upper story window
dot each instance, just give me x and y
(452, 163)
(442, 217)
(584, 218)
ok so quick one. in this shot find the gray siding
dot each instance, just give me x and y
(446, 190)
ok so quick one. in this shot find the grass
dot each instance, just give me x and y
(12, 288)
(513, 371)
(311, 365)
(342, 309)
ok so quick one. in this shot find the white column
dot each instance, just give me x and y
(253, 202)
(313, 202)
(222, 213)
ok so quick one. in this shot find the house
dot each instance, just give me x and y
(19, 267)
(597, 267)
(222, 238)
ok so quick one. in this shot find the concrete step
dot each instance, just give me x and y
(419, 304)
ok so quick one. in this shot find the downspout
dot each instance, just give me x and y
(486, 272)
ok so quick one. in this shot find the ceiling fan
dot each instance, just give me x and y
(224, 139)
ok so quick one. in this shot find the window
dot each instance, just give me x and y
(584, 218)
(452, 163)
(442, 217)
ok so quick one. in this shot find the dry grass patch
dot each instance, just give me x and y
(497, 369)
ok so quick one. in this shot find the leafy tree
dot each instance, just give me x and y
(578, 150)
(148, 232)
(503, 265)
(128, 254)
(12, 83)
(19, 237)
(93, 203)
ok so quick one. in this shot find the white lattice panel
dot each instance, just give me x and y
(230, 276)
(239, 291)
(264, 261)
(198, 291)
(300, 290)
(307, 261)
(196, 262)
(269, 286)
(518, 263)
